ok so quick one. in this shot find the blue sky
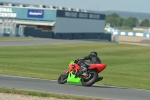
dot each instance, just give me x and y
(97, 5)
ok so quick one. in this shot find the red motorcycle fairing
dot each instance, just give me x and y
(74, 66)
(99, 67)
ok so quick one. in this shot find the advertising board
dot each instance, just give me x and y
(35, 13)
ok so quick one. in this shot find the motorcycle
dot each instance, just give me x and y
(74, 74)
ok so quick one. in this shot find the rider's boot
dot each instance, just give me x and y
(99, 79)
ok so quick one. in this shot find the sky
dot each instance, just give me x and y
(96, 5)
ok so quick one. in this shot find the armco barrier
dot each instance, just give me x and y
(116, 32)
(132, 34)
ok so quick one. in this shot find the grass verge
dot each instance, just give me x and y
(43, 94)
(127, 65)
(16, 38)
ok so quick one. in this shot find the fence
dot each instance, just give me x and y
(7, 26)
(36, 32)
(21, 30)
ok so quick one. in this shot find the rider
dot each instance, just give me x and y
(94, 59)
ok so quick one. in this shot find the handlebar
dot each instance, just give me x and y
(78, 59)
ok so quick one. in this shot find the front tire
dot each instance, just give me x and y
(62, 79)
(91, 80)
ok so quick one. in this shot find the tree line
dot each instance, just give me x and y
(116, 21)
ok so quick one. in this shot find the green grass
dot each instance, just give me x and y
(127, 65)
(137, 31)
(106, 32)
(15, 38)
(45, 95)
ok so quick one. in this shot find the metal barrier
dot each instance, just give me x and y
(21, 30)
(7, 26)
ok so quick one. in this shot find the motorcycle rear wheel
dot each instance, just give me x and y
(91, 80)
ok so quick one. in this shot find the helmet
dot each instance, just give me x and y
(93, 53)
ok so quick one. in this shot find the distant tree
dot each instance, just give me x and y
(145, 23)
(114, 20)
(130, 22)
(114, 15)
(122, 21)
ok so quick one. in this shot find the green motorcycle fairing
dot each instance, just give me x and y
(71, 77)
(71, 62)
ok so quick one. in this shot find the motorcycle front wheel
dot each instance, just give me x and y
(62, 79)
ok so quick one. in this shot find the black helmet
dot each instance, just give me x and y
(93, 53)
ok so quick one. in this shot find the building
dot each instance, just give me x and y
(49, 19)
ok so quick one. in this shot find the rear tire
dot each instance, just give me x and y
(61, 79)
(91, 80)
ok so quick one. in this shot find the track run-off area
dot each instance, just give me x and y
(97, 91)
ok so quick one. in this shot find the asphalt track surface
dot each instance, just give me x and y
(34, 41)
(98, 91)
